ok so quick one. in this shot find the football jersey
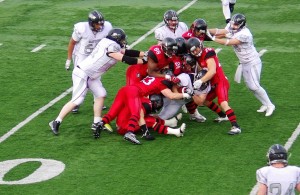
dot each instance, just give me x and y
(164, 31)
(86, 38)
(97, 63)
(245, 51)
(161, 58)
(176, 65)
(210, 53)
(152, 85)
(279, 180)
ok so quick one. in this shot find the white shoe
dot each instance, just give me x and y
(263, 108)
(184, 109)
(234, 130)
(172, 122)
(197, 117)
(177, 132)
(221, 119)
(270, 110)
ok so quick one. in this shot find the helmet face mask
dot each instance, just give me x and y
(189, 62)
(118, 35)
(199, 27)
(156, 101)
(96, 21)
(237, 22)
(169, 47)
(195, 46)
(277, 154)
(171, 19)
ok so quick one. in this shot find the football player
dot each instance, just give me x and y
(131, 96)
(198, 29)
(85, 37)
(207, 58)
(278, 177)
(86, 75)
(172, 28)
(239, 36)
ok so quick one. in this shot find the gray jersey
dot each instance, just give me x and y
(86, 38)
(97, 63)
(246, 52)
(280, 181)
(164, 31)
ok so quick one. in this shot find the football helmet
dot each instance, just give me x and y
(118, 35)
(169, 46)
(181, 46)
(156, 101)
(96, 17)
(277, 154)
(192, 45)
(199, 76)
(199, 25)
(188, 59)
(171, 19)
(167, 71)
(238, 20)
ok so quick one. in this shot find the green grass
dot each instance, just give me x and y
(205, 161)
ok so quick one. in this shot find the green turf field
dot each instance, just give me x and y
(205, 161)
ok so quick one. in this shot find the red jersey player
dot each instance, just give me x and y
(207, 58)
(131, 97)
(198, 29)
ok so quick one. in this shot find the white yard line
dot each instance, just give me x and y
(218, 50)
(1, 1)
(262, 52)
(38, 48)
(51, 103)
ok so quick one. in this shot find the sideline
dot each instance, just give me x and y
(52, 102)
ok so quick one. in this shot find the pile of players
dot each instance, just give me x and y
(177, 72)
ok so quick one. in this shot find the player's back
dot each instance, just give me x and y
(280, 181)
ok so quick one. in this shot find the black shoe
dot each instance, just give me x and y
(54, 125)
(147, 136)
(104, 108)
(96, 129)
(129, 136)
(75, 110)
(227, 20)
(231, 7)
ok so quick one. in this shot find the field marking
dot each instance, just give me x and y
(287, 146)
(39, 111)
(51, 103)
(1, 1)
(218, 50)
(261, 53)
(38, 48)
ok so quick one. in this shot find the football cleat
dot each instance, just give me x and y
(104, 108)
(197, 117)
(181, 130)
(54, 125)
(147, 136)
(96, 129)
(263, 108)
(75, 110)
(129, 136)
(221, 119)
(270, 110)
(234, 130)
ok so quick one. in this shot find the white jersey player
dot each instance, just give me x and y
(85, 37)
(278, 178)
(240, 37)
(172, 28)
(86, 75)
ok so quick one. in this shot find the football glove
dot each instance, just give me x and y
(67, 65)
(197, 84)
